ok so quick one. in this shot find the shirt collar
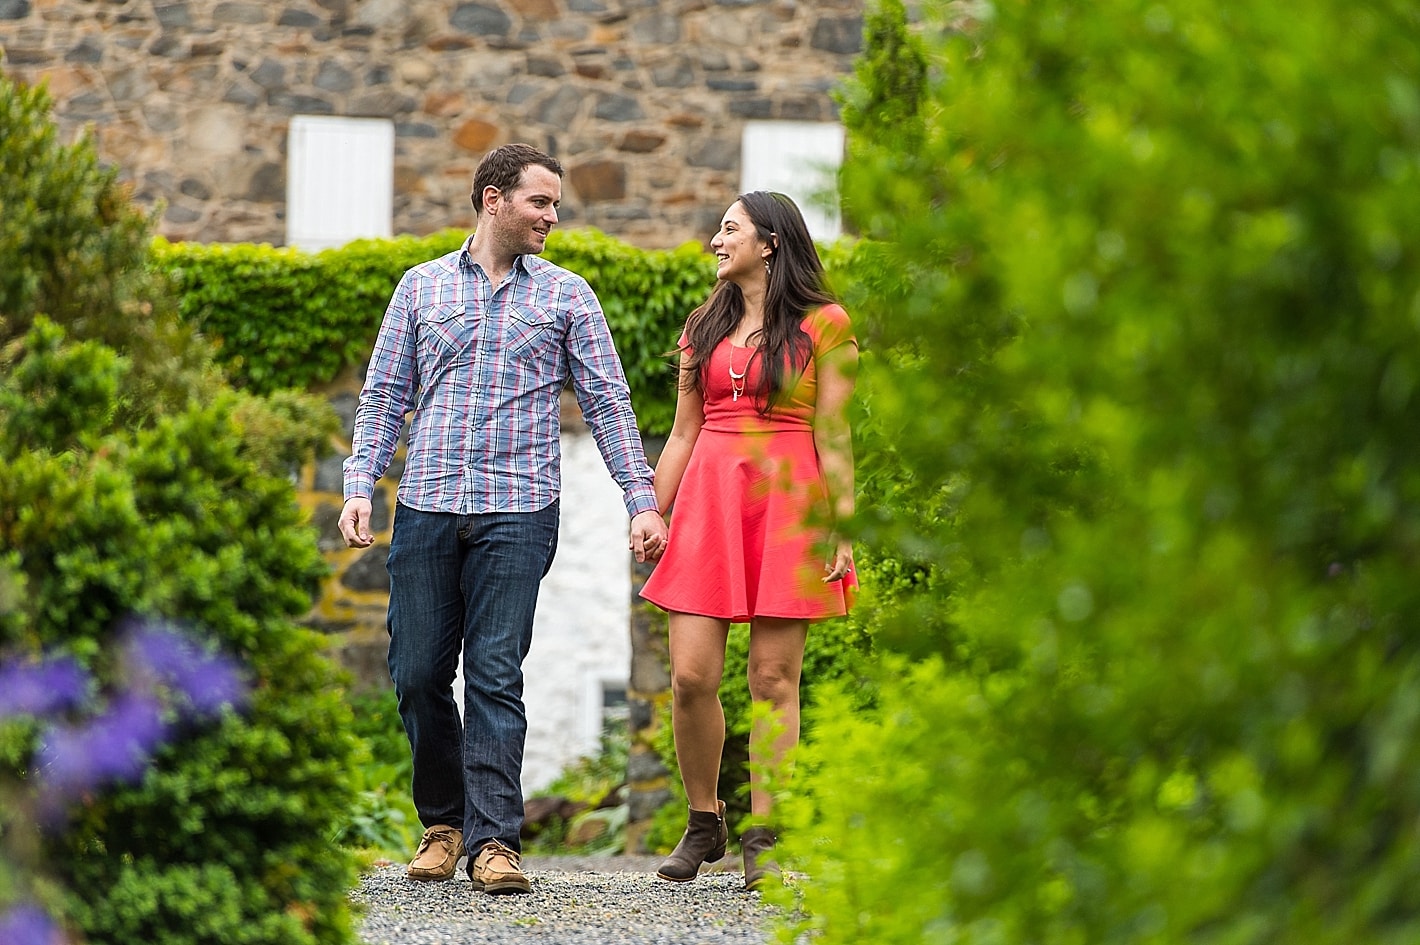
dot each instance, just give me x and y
(520, 262)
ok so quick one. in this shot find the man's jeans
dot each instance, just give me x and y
(466, 582)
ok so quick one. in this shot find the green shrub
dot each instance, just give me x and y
(593, 779)
(74, 247)
(1153, 361)
(71, 240)
(135, 484)
(172, 520)
(597, 781)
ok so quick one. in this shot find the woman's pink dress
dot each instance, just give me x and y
(749, 526)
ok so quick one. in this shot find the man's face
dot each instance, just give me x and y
(523, 217)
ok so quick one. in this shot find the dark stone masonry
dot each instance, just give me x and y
(643, 100)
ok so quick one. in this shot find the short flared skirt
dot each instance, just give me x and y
(748, 533)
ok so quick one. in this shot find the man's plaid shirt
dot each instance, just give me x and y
(482, 367)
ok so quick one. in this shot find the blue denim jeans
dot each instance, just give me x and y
(466, 583)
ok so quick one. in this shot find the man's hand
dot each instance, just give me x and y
(649, 536)
(355, 523)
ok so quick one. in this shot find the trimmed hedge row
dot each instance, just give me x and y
(284, 318)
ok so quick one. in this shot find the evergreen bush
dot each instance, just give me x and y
(1153, 361)
(136, 486)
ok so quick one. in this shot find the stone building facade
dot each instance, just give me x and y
(644, 101)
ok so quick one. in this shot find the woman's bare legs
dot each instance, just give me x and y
(697, 662)
(776, 661)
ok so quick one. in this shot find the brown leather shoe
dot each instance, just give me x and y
(496, 870)
(757, 844)
(438, 854)
(704, 841)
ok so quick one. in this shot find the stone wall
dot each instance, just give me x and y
(644, 101)
(648, 703)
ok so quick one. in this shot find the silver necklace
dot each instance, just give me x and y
(737, 380)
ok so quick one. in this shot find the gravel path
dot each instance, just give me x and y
(574, 901)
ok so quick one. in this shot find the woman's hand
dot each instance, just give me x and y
(842, 564)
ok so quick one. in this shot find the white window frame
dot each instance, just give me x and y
(339, 180)
(801, 159)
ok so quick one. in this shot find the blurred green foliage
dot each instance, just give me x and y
(594, 779)
(135, 482)
(597, 781)
(70, 239)
(1143, 286)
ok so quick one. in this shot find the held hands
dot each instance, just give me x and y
(355, 523)
(649, 536)
(842, 563)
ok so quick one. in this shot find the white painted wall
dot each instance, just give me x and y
(581, 636)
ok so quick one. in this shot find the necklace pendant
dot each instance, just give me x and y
(735, 393)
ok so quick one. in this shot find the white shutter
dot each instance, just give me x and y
(339, 180)
(798, 158)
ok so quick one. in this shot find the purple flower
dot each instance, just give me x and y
(113, 746)
(160, 655)
(40, 689)
(26, 924)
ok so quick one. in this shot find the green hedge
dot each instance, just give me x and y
(283, 318)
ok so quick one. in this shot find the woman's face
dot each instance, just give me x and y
(739, 251)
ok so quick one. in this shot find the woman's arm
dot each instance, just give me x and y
(833, 439)
(685, 430)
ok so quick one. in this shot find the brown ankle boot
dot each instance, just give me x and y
(757, 845)
(704, 841)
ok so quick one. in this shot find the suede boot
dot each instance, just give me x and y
(704, 841)
(757, 845)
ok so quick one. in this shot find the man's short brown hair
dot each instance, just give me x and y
(503, 168)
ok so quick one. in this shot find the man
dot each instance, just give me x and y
(476, 347)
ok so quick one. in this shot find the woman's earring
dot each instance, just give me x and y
(766, 267)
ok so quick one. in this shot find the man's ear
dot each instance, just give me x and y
(491, 196)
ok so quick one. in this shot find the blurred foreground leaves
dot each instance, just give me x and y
(1143, 287)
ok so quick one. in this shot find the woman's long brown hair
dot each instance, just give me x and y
(795, 287)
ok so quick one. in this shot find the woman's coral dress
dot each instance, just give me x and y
(749, 534)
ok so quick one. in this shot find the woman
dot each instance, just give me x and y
(760, 461)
